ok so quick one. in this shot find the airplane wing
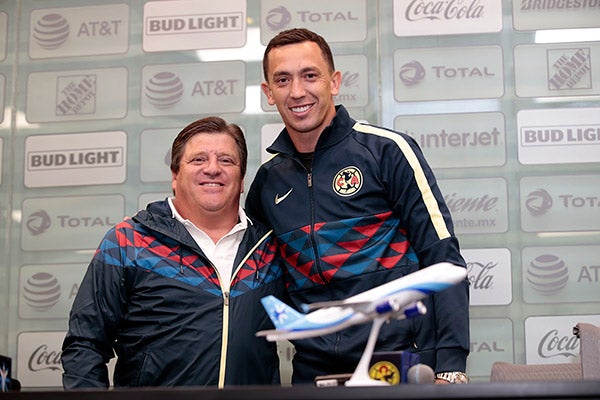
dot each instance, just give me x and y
(402, 291)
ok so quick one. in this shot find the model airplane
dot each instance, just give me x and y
(398, 299)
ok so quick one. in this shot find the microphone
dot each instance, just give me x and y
(5, 377)
(420, 373)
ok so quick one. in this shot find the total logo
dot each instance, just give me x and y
(539, 202)
(40, 222)
(279, 18)
(413, 72)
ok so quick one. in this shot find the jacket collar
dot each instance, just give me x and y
(340, 127)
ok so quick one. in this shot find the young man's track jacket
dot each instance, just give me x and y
(368, 212)
(152, 295)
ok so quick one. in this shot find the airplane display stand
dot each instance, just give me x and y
(361, 377)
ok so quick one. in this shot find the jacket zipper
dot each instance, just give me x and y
(226, 300)
(313, 242)
(338, 335)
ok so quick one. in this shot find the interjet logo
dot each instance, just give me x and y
(51, 31)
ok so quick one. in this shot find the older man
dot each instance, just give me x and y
(175, 290)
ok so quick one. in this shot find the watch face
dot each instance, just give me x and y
(461, 378)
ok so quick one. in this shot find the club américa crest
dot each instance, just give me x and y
(347, 181)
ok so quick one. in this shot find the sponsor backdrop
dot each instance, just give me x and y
(500, 96)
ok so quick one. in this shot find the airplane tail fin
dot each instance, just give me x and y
(280, 313)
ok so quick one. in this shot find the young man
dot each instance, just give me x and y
(353, 206)
(175, 291)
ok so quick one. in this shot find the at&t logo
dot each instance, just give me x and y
(547, 274)
(51, 31)
(164, 90)
(41, 291)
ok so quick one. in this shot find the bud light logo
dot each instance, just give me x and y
(164, 90)
(412, 73)
(547, 274)
(51, 31)
(38, 222)
(41, 291)
(278, 18)
(538, 202)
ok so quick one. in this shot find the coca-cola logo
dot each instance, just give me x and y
(444, 10)
(42, 358)
(554, 345)
(480, 274)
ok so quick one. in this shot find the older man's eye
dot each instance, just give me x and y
(197, 160)
(227, 161)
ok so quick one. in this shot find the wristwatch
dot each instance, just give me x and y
(453, 377)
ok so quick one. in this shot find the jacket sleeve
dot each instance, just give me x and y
(94, 318)
(421, 206)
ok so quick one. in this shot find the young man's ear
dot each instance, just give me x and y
(267, 91)
(336, 83)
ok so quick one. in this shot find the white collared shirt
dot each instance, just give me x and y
(221, 254)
